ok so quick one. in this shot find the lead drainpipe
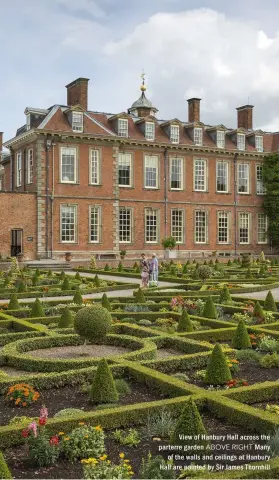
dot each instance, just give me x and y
(48, 146)
(235, 197)
(165, 191)
(52, 199)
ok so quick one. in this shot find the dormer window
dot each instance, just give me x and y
(28, 122)
(220, 139)
(150, 130)
(174, 133)
(198, 136)
(241, 141)
(77, 121)
(123, 127)
(259, 143)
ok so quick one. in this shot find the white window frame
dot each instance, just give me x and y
(155, 159)
(226, 165)
(220, 139)
(155, 213)
(197, 226)
(247, 179)
(30, 165)
(246, 217)
(260, 189)
(150, 131)
(196, 182)
(179, 173)
(94, 166)
(123, 216)
(74, 208)
(126, 160)
(174, 133)
(122, 127)
(74, 154)
(198, 136)
(28, 121)
(240, 140)
(178, 225)
(19, 169)
(77, 121)
(97, 211)
(262, 216)
(259, 143)
(223, 216)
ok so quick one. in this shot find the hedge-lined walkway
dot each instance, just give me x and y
(114, 293)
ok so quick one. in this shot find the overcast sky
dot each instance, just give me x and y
(223, 52)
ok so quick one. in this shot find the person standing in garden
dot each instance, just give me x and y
(144, 266)
(154, 268)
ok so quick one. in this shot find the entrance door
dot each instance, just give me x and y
(16, 242)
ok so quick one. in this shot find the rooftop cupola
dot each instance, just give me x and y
(142, 107)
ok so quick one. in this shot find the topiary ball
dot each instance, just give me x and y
(93, 323)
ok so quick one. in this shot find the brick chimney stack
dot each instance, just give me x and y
(77, 93)
(245, 117)
(193, 110)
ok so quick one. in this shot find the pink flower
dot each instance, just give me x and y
(54, 440)
(44, 412)
(33, 426)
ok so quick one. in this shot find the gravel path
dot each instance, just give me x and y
(74, 351)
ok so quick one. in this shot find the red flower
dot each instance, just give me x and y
(54, 440)
(25, 433)
(245, 384)
(42, 421)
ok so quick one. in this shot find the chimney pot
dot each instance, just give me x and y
(245, 117)
(193, 110)
(77, 93)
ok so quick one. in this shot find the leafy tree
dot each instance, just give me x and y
(271, 199)
(204, 272)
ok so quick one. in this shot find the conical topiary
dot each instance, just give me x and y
(66, 318)
(35, 280)
(241, 339)
(189, 426)
(184, 324)
(140, 298)
(4, 469)
(77, 276)
(229, 263)
(106, 269)
(77, 298)
(258, 311)
(217, 372)
(21, 287)
(173, 271)
(209, 309)
(66, 284)
(262, 270)
(103, 389)
(106, 302)
(49, 273)
(248, 274)
(13, 303)
(185, 269)
(137, 270)
(225, 296)
(37, 309)
(62, 275)
(120, 267)
(7, 281)
(97, 281)
(269, 303)
(135, 265)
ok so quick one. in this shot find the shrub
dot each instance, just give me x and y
(103, 389)
(184, 324)
(37, 309)
(106, 269)
(106, 302)
(168, 243)
(137, 270)
(258, 311)
(217, 372)
(128, 437)
(122, 386)
(248, 275)
(140, 298)
(22, 395)
(248, 356)
(156, 468)
(225, 296)
(209, 310)
(13, 303)
(66, 319)
(173, 271)
(49, 273)
(269, 303)
(97, 281)
(35, 280)
(273, 443)
(65, 284)
(92, 323)
(21, 287)
(77, 298)
(160, 423)
(4, 469)
(241, 339)
(204, 272)
(68, 412)
(62, 275)
(77, 276)
(246, 261)
(103, 468)
(268, 344)
(181, 376)
(270, 361)
(83, 442)
(189, 424)
(120, 267)
(185, 269)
